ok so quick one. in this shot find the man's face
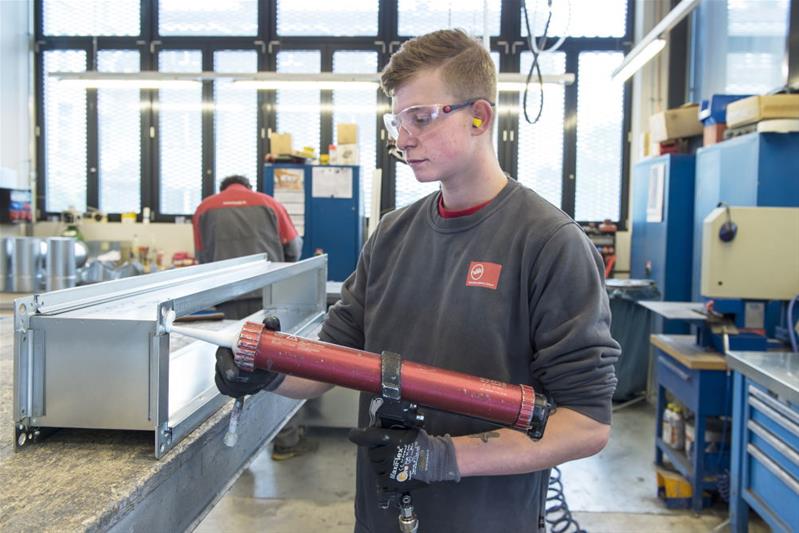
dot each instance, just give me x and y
(440, 150)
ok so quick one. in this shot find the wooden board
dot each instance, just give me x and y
(684, 349)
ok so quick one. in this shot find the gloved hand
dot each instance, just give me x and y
(234, 382)
(405, 459)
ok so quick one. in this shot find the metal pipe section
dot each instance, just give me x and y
(60, 270)
(506, 404)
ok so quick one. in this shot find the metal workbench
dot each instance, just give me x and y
(96, 477)
(765, 439)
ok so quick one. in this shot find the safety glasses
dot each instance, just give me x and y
(416, 119)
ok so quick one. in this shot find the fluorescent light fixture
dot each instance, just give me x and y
(516, 82)
(322, 80)
(127, 80)
(261, 80)
(674, 17)
(641, 59)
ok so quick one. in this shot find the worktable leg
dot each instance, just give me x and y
(698, 458)
(661, 406)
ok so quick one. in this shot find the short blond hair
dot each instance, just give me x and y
(466, 67)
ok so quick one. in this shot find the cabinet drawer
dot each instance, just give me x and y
(691, 386)
(682, 381)
(773, 428)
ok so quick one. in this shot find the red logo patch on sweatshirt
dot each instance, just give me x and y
(483, 274)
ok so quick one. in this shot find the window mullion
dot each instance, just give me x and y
(569, 178)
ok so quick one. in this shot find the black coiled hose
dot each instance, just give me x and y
(558, 515)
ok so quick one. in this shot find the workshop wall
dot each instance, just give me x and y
(168, 237)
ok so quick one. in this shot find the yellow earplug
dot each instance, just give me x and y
(477, 122)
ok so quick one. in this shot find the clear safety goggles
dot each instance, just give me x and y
(416, 119)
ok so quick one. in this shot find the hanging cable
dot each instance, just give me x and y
(558, 515)
(535, 67)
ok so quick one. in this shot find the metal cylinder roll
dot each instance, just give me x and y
(22, 260)
(60, 271)
(506, 404)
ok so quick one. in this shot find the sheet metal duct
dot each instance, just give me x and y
(99, 356)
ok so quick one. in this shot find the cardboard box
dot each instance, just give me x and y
(714, 134)
(346, 133)
(347, 154)
(675, 123)
(757, 108)
(280, 143)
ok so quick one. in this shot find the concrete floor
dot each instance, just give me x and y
(614, 491)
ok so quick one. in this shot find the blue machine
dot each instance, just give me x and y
(663, 191)
(754, 170)
(333, 212)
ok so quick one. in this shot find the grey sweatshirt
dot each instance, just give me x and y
(514, 292)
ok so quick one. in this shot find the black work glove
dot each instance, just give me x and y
(405, 459)
(236, 383)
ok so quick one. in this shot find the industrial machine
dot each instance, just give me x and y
(99, 357)
(754, 170)
(749, 261)
(749, 258)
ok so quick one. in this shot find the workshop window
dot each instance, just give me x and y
(99, 17)
(188, 138)
(540, 148)
(298, 109)
(417, 17)
(118, 136)
(323, 17)
(65, 132)
(207, 17)
(578, 18)
(180, 136)
(740, 47)
(235, 118)
(600, 116)
(359, 106)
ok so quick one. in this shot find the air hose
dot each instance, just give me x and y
(558, 515)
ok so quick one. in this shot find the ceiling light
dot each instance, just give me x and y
(127, 80)
(672, 18)
(517, 82)
(639, 60)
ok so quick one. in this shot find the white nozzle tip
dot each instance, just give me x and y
(169, 319)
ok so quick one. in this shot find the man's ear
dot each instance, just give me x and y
(482, 116)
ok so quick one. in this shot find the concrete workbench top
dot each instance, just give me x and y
(90, 480)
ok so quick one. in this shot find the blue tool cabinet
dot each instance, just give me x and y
(661, 245)
(333, 216)
(765, 464)
(699, 381)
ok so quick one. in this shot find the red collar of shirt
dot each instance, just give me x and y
(448, 213)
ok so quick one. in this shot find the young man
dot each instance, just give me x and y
(483, 277)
